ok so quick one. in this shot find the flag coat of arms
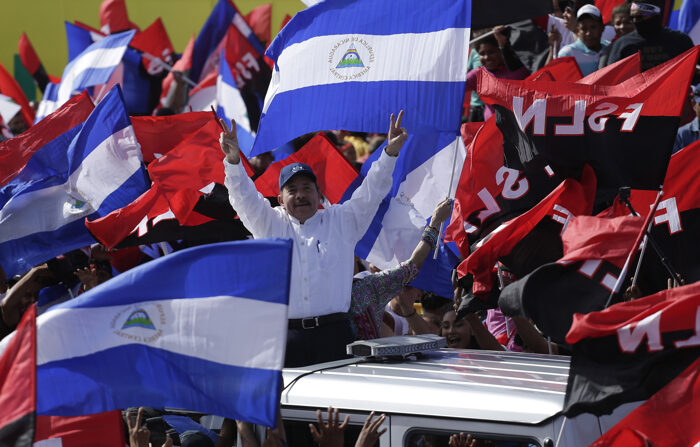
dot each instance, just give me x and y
(349, 64)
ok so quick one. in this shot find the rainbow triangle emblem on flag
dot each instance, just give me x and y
(138, 318)
(351, 58)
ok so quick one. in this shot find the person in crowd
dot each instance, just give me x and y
(434, 308)
(622, 22)
(656, 43)
(323, 240)
(372, 291)
(589, 46)
(561, 29)
(496, 56)
(467, 333)
(473, 109)
(690, 132)
(20, 296)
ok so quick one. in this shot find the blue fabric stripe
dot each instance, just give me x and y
(378, 17)
(108, 118)
(19, 255)
(430, 107)
(47, 167)
(257, 270)
(245, 138)
(688, 15)
(126, 193)
(78, 40)
(210, 35)
(136, 375)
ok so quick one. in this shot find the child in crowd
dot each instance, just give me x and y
(622, 22)
(590, 45)
(496, 56)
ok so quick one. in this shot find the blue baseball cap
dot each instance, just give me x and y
(293, 169)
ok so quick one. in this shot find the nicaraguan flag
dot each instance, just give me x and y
(421, 181)
(349, 64)
(88, 171)
(689, 20)
(78, 39)
(49, 102)
(94, 65)
(230, 105)
(201, 329)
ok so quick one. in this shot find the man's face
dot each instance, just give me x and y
(590, 31)
(622, 24)
(569, 16)
(300, 197)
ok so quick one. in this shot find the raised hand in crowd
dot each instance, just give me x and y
(139, 434)
(273, 439)
(500, 35)
(440, 214)
(229, 143)
(370, 431)
(88, 276)
(460, 440)
(23, 293)
(330, 434)
(396, 136)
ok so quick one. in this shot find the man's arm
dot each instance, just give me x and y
(359, 210)
(252, 208)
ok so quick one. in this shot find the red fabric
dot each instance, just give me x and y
(286, 20)
(590, 237)
(615, 73)
(543, 75)
(101, 429)
(182, 64)
(662, 90)
(15, 153)
(561, 69)
(333, 171)
(468, 132)
(259, 20)
(678, 308)
(18, 371)
(606, 7)
(10, 87)
(160, 134)
(190, 166)
(114, 18)
(667, 419)
(484, 157)
(29, 58)
(241, 56)
(576, 197)
(155, 41)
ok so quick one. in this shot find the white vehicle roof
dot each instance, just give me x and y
(484, 385)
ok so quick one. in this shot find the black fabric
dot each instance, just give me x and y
(601, 378)
(655, 50)
(313, 322)
(551, 295)
(19, 433)
(322, 344)
(486, 14)
(530, 44)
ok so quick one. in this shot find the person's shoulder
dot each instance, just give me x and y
(567, 50)
(678, 36)
(630, 38)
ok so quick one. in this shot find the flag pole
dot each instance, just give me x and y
(449, 193)
(168, 67)
(502, 284)
(633, 252)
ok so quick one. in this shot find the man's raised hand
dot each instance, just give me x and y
(397, 135)
(229, 142)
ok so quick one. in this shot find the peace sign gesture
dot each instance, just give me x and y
(229, 142)
(397, 135)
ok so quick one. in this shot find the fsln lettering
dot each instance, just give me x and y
(536, 114)
(630, 336)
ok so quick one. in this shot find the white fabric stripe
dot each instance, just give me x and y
(223, 329)
(106, 168)
(438, 56)
(202, 100)
(413, 204)
(100, 58)
(231, 100)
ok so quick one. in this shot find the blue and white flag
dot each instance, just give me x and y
(421, 180)
(94, 65)
(203, 329)
(230, 105)
(349, 64)
(48, 103)
(78, 39)
(689, 20)
(87, 172)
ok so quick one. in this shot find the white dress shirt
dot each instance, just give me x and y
(324, 245)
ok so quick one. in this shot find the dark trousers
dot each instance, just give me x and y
(318, 345)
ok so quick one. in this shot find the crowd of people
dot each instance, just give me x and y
(335, 297)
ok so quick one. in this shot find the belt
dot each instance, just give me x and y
(314, 322)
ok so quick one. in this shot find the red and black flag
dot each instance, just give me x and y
(676, 224)
(18, 384)
(32, 63)
(155, 43)
(595, 250)
(668, 419)
(561, 69)
(630, 350)
(625, 131)
(615, 73)
(533, 238)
